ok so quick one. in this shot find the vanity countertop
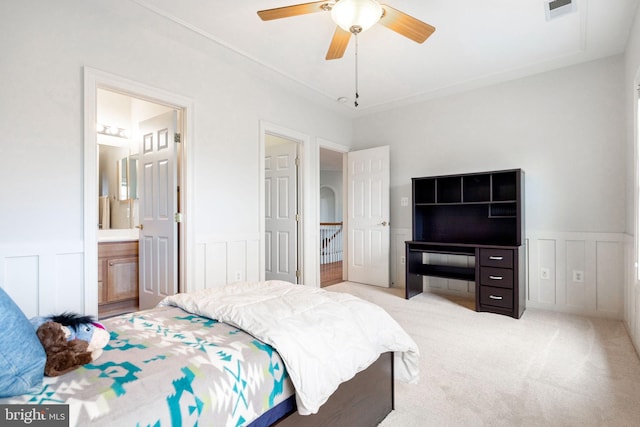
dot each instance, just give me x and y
(118, 235)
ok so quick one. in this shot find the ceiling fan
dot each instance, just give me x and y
(353, 17)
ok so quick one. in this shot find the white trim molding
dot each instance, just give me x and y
(94, 79)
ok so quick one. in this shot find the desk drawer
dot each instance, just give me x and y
(496, 297)
(500, 277)
(502, 258)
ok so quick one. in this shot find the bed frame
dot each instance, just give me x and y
(365, 400)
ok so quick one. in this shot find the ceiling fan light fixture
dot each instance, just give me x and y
(356, 15)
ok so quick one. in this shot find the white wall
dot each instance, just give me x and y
(565, 129)
(45, 46)
(631, 83)
(570, 130)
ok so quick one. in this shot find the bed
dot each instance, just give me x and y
(209, 358)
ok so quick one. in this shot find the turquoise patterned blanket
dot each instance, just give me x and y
(167, 367)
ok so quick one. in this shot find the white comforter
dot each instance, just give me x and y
(324, 338)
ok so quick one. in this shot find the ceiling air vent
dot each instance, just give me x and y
(556, 8)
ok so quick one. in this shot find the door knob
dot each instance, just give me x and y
(385, 223)
(141, 226)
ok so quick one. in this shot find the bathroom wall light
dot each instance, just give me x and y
(112, 131)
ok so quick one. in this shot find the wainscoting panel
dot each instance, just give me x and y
(546, 291)
(69, 278)
(219, 261)
(632, 295)
(573, 272)
(44, 277)
(609, 274)
(632, 303)
(589, 272)
(397, 251)
(576, 292)
(633, 314)
(47, 277)
(21, 282)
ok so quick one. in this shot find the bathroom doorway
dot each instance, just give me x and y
(128, 277)
(160, 281)
(123, 263)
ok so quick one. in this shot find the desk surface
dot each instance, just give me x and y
(419, 243)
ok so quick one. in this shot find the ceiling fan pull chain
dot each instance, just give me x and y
(355, 102)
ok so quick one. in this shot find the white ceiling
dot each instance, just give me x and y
(477, 42)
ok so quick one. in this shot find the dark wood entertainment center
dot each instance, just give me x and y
(475, 214)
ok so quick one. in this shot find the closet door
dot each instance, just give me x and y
(281, 210)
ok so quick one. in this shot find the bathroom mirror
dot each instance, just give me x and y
(123, 180)
(117, 187)
(133, 177)
(128, 177)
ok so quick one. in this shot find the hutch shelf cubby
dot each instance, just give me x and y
(475, 214)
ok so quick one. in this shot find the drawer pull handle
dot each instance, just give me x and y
(495, 277)
(496, 258)
(495, 297)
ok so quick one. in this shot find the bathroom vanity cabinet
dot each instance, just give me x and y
(117, 277)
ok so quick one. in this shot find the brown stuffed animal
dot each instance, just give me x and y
(62, 355)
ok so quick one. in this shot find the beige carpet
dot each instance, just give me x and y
(483, 369)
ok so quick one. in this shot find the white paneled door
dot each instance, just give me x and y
(281, 209)
(158, 205)
(368, 216)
